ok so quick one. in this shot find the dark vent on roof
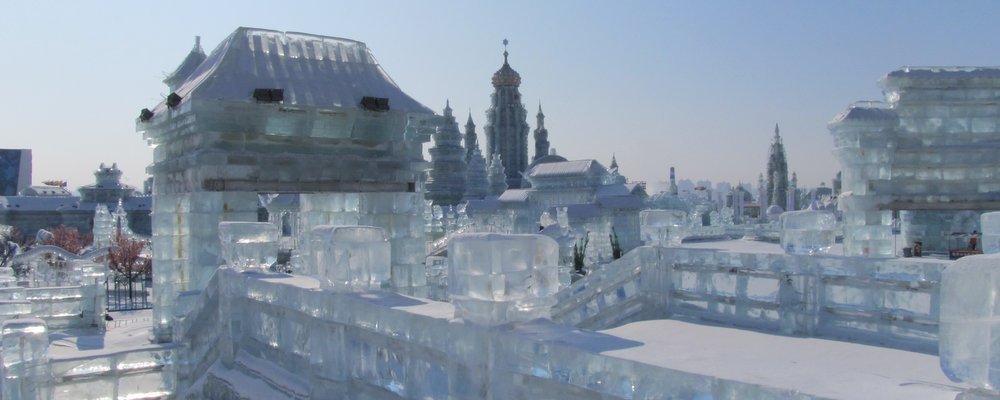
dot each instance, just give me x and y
(145, 115)
(173, 100)
(269, 95)
(370, 103)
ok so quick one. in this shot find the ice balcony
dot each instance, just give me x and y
(381, 344)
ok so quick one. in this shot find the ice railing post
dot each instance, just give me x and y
(969, 322)
(25, 359)
(662, 227)
(249, 245)
(349, 258)
(499, 278)
(807, 231)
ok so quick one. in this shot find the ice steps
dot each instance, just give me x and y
(252, 378)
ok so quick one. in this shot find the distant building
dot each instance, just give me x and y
(507, 124)
(15, 171)
(43, 206)
(777, 172)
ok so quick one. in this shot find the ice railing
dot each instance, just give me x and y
(70, 296)
(382, 342)
(890, 302)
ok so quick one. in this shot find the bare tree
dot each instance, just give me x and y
(69, 239)
(125, 258)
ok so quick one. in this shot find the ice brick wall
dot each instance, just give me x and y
(969, 321)
(384, 345)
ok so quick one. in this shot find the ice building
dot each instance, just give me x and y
(470, 141)
(592, 199)
(281, 112)
(507, 123)
(541, 136)
(777, 173)
(44, 206)
(446, 181)
(928, 154)
(15, 171)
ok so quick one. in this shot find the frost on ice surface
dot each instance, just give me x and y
(249, 245)
(499, 278)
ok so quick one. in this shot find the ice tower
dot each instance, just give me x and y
(446, 183)
(777, 171)
(541, 136)
(277, 112)
(506, 124)
(929, 154)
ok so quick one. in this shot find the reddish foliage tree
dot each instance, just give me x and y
(69, 239)
(126, 260)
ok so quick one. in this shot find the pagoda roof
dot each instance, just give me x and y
(312, 70)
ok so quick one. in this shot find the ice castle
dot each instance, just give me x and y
(271, 112)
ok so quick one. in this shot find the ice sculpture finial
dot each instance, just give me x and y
(505, 51)
(614, 163)
(197, 43)
(777, 136)
(540, 114)
(447, 107)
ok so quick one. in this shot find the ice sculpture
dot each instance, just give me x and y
(227, 133)
(663, 227)
(347, 258)
(249, 245)
(498, 278)
(25, 359)
(446, 178)
(990, 222)
(807, 231)
(970, 324)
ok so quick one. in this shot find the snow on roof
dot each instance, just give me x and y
(946, 72)
(514, 196)
(866, 111)
(566, 169)
(312, 70)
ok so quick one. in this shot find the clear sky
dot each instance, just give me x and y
(697, 85)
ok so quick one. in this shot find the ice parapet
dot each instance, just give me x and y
(662, 227)
(499, 278)
(807, 231)
(970, 326)
(346, 258)
(990, 223)
(249, 245)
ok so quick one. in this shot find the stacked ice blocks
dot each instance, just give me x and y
(662, 227)
(498, 278)
(807, 231)
(249, 245)
(347, 258)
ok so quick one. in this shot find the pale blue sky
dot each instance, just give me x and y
(697, 85)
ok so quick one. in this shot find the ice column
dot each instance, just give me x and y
(25, 359)
(347, 258)
(990, 223)
(498, 278)
(970, 324)
(249, 245)
(807, 231)
(662, 227)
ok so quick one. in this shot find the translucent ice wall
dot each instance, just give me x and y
(249, 245)
(807, 231)
(970, 323)
(346, 258)
(662, 227)
(498, 278)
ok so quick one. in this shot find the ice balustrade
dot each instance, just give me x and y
(498, 278)
(69, 295)
(350, 257)
(807, 231)
(341, 345)
(891, 302)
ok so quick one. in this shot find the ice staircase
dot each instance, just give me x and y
(609, 296)
(249, 378)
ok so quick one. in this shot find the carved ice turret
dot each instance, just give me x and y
(446, 183)
(507, 124)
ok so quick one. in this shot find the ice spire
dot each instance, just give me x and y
(470, 138)
(673, 182)
(446, 180)
(477, 184)
(507, 124)
(614, 163)
(777, 170)
(541, 136)
(497, 176)
(190, 63)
